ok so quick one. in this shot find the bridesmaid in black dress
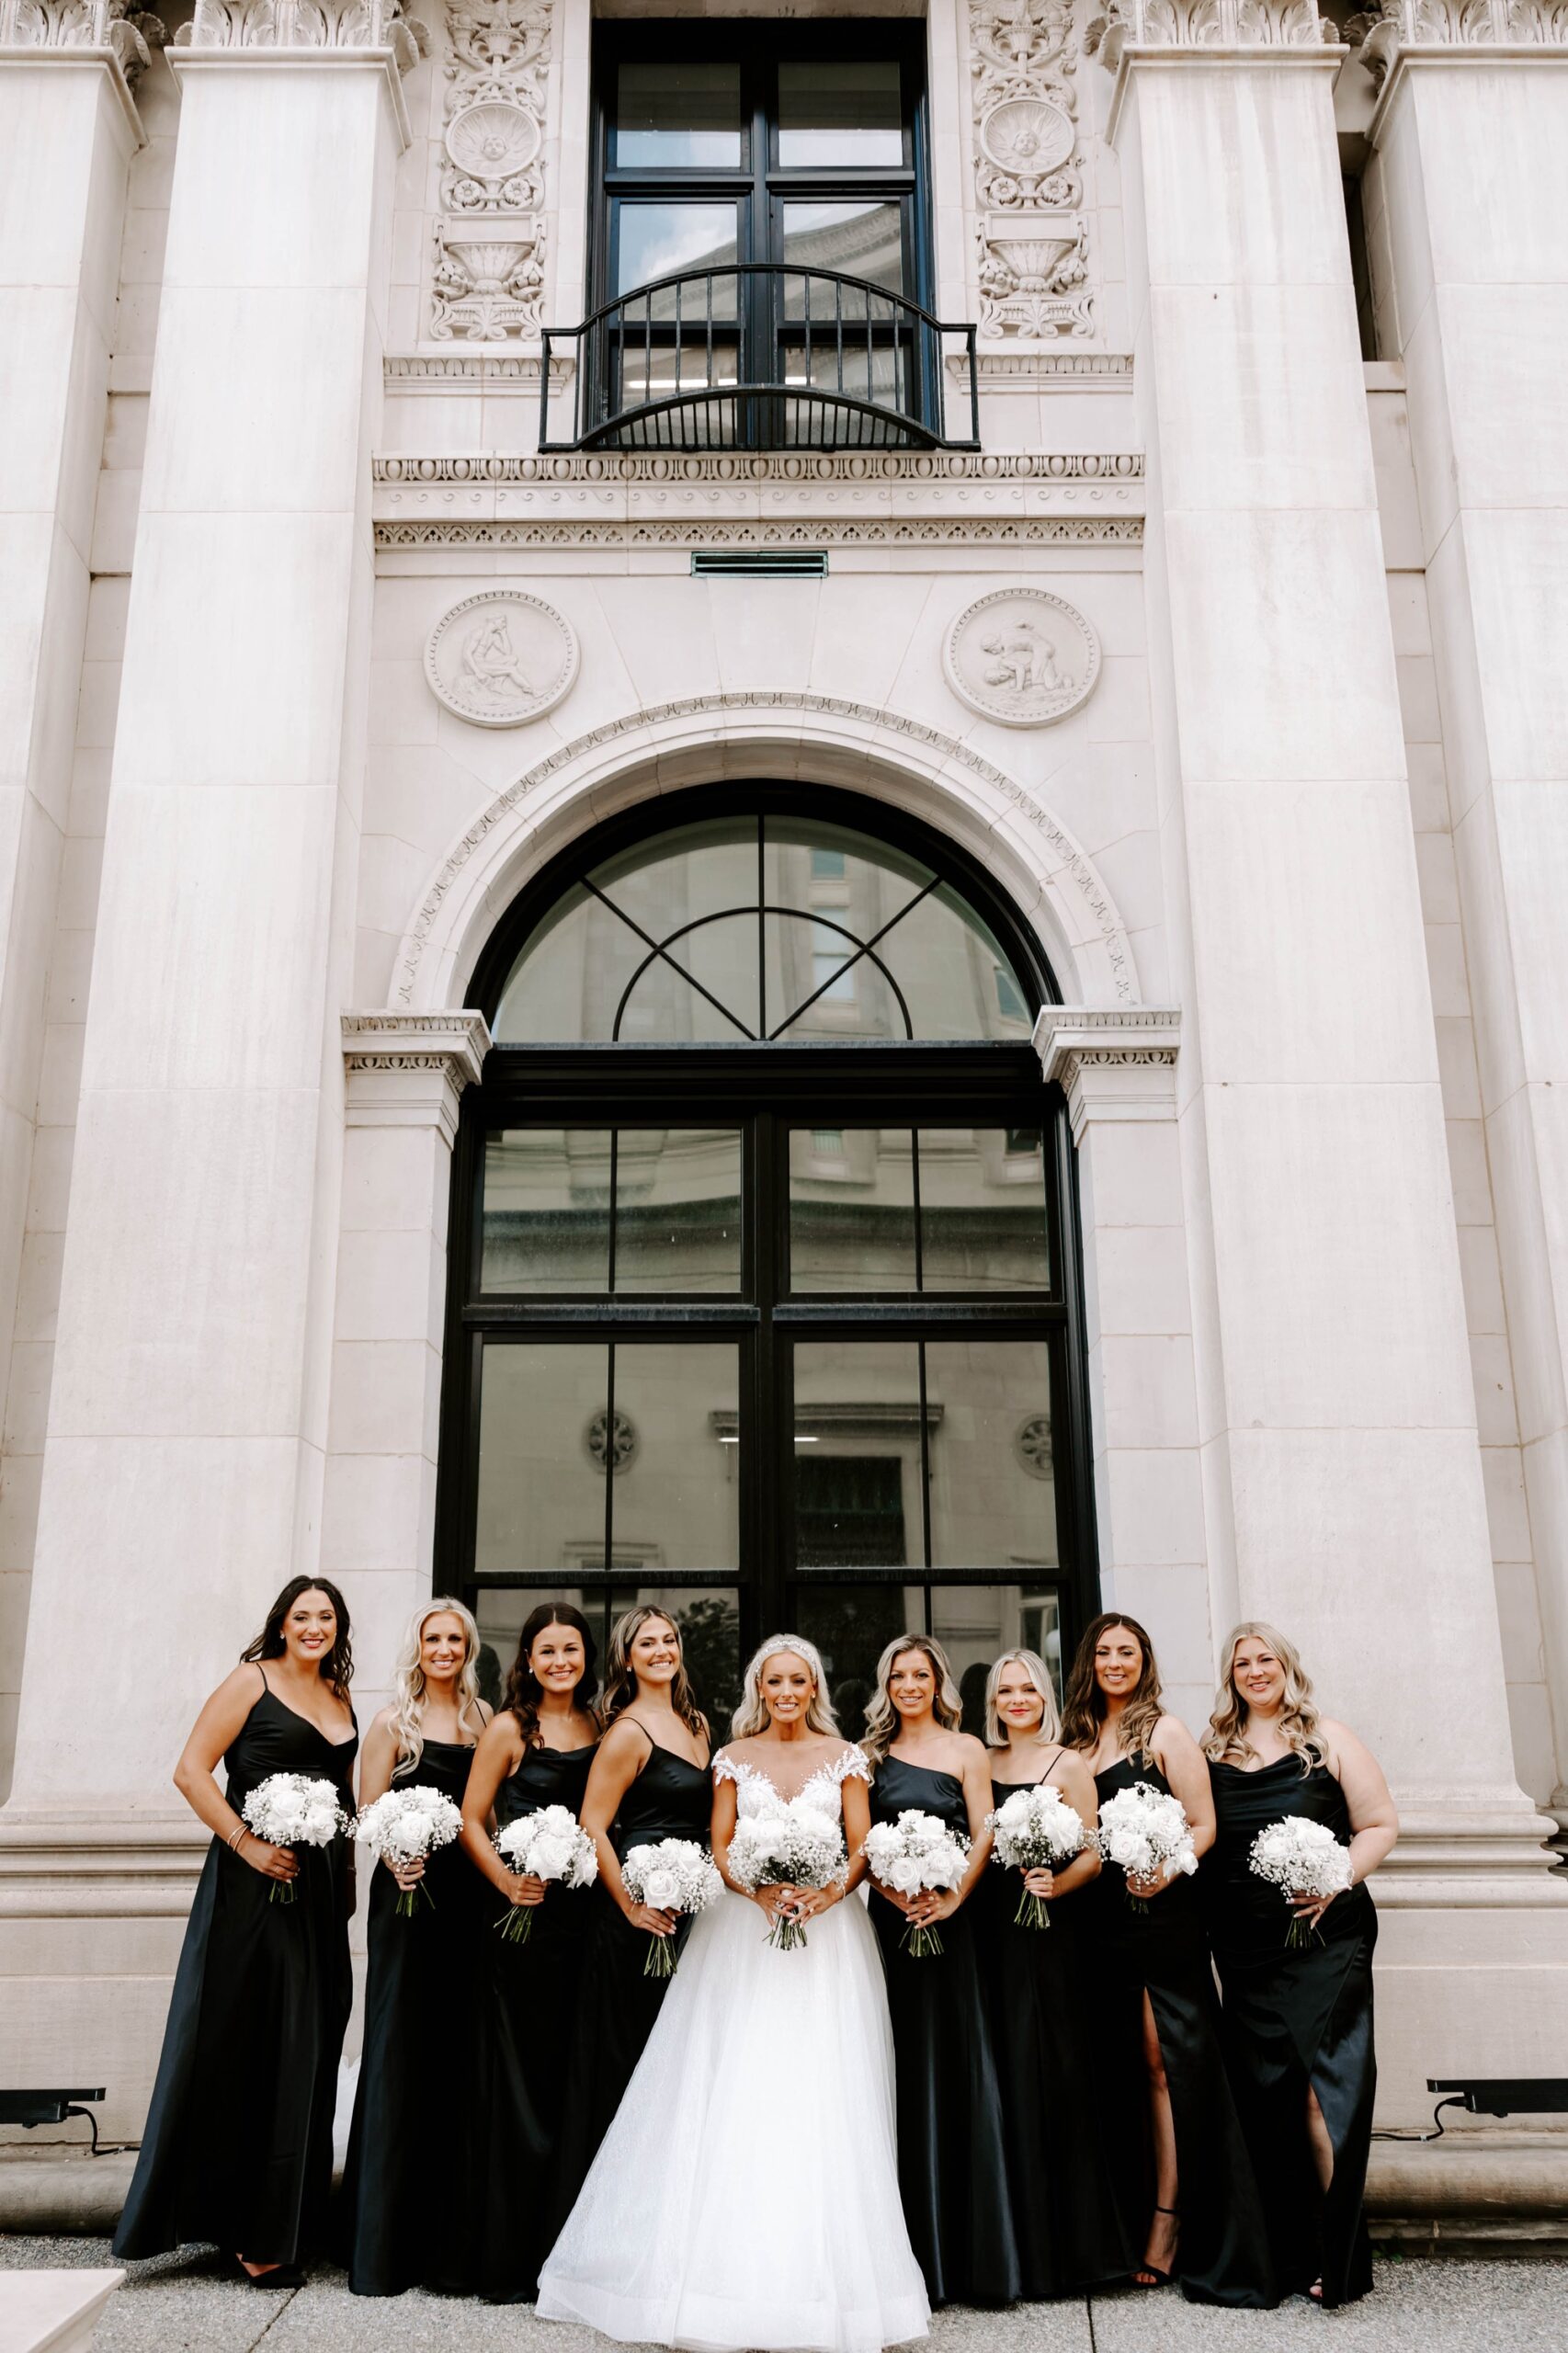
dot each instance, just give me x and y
(536, 1753)
(953, 2163)
(649, 1780)
(402, 2216)
(1039, 1989)
(1298, 2022)
(238, 2142)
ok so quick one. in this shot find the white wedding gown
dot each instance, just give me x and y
(746, 2194)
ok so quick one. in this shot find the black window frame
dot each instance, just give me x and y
(768, 1090)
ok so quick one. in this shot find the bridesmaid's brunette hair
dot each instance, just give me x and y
(524, 1689)
(1084, 1710)
(1227, 1735)
(338, 1666)
(882, 1719)
(751, 1716)
(408, 1704)
(621, 1677)
(1034, 1666)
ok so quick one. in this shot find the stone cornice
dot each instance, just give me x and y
(1204, 34)
(408, 1069)
(1428, 33)
(273, 35)
(106, 33)
(791, 467)
(826, 531)
(1112, 1061)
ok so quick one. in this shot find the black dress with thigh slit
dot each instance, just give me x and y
(1071, 2228)
(237, 2148)
(952, 2160)
(1163, 1951)
(531, 2021)
(1297, 2018)
(402, 2217)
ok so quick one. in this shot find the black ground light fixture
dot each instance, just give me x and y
(29, 2108)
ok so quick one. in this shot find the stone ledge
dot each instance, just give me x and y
(53, 2311)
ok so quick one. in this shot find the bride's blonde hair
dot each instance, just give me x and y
(408, 1704)
(751, 1717)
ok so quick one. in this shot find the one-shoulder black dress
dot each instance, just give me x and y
(1222, 2250)
(402, 2217)
(669, 1798)
(1071, 2230)
(237, 2149)
(953, 2163)
(1294, 2017)
(530, 2004)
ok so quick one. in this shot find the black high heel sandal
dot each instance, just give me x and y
(1149, 2275)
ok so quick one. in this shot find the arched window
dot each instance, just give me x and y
(764, 1295)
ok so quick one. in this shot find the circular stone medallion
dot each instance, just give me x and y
(492, 139)
(1022, 656)
(1031, 137)
(500, 659)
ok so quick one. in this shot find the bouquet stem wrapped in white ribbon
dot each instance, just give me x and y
(293, 1810)
(802, 1847)
(405, 1826)
(1035, 1830)
(671, 1875)
(1302, 1859)
(550, 1844)
(1145, 1832)
(915, 1855)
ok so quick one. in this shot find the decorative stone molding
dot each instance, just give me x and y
(308, 25)
(1473, 1857)
(490, 246)
(1205, 24)
(1022, 657)
(829, 531)
(109, 1862)
(128, 35)
(493, 372)
(407, 1070)
(1401, 27)
(500, 659)
(1029, 187)
(1074, 874)
(1046, 371)
(783, 466)
(1112, 1061)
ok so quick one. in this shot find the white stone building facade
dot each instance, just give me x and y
(1210, 668)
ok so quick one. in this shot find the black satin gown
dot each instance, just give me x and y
(669, 1798)
(1295, 2018)
(237, 2149)
(530, 2004)
(1072, 2232)
(401, 2216)
(1222, 2250)
(952, 2158)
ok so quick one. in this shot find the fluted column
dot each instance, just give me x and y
(1336, 1421)
(1468, 195)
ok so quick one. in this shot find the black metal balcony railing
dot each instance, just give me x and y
(758, 356)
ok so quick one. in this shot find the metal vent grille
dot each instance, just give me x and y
(759, 563)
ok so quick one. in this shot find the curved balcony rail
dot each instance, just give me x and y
(758, 356)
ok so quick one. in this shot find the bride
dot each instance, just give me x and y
(746, 2194)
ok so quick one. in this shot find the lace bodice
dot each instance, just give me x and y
(757, 1793)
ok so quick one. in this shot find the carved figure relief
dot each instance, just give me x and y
(1022, 656)
(1033, 265)
(489, 277)
(500, 659)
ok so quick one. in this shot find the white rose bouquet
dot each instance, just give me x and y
(550, 1844)
(672, 1875)
(293, 1810)
(802, 1847)
(405, 1826)
(1302, 1859)
(1145, 1832)
(1035, 1830)
(914, 1854)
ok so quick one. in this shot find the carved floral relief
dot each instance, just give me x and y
(1028, 184)
(490, 243)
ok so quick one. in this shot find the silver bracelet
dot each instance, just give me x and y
(235, 1841)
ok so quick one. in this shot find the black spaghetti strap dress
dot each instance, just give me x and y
(402, 2217)
(237, 2149)
(1072, 2232)
(952, 2159)
(669, 1798)
(1222, 2250)
(1295, 2018)
(531, 2001)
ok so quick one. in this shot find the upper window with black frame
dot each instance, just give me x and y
(760, 244)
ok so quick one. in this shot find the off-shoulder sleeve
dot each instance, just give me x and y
(853, 1766)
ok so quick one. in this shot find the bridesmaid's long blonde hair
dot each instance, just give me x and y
(883, 1718)
(1297, 1720)
(408, 1703)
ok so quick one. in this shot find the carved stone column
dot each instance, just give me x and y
(405, 1074)
(186, 1448)
(1335, 1411)
(1468, 202)
(1118, 1069)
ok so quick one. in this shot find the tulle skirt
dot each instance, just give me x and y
(746, 2195)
